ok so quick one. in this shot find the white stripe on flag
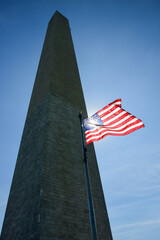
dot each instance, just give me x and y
(114, 132)
(110, 128)
(107, 109)
(111, 113)
(114, 118)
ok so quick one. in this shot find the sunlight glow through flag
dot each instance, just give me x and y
(110, 120)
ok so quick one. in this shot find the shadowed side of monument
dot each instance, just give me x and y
(48, 198)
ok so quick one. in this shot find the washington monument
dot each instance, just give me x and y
(48, 198)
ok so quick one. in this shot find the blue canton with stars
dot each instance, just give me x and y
(92, 122)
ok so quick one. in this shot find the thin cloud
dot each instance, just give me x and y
(137, 224)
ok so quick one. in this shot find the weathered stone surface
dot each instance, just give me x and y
(48, 199)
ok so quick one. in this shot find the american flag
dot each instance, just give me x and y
(110, 120)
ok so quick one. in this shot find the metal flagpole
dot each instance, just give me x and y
(90, 202)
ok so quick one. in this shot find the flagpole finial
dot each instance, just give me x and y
(80, 113)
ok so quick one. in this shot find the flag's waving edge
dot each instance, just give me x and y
(110, 120)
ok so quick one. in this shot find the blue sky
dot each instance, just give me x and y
(118, 54)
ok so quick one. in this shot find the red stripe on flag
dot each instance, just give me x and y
(114, 134)
(100, 130)
(111, 115)
(108, 111)
(110, 132)
(119, 119)
(116, 102)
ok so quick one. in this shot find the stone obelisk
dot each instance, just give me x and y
(48, 198)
